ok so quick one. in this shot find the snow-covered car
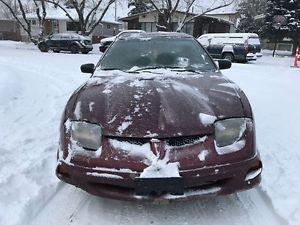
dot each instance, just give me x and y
(72, 42)
(106, 42)
(241, 47)
(158, 121)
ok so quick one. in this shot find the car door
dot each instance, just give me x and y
(65, 41)
(53, 41)
(215, 47)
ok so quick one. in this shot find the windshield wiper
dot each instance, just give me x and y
(186, 70)
(150, 68)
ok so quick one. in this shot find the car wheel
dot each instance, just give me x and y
(228, 56)
(85, 52)
(74, 49)
(43, 47)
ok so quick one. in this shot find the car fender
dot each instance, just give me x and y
(228, 49)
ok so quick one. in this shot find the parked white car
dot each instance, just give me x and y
(232, 46)
(105, 42)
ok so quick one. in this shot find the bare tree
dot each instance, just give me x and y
(4, 12)
(88, 12)
(169, 7)
(41, 17)
(18, 12)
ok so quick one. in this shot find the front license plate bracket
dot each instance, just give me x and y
(159, 186)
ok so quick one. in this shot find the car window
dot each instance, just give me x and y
(156, 52)
(55, 37)
(65, 36)
(75, 36)
(237, 40)
(254, 41)
(218, 40)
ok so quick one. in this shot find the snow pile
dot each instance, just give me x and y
(156, 167)
(159, 169)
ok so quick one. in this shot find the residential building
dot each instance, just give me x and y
(9, 30)
(148, 21)
(57, 21)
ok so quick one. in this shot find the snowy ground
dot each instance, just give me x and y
(34, 88)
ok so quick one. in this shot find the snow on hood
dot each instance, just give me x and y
(156, 103)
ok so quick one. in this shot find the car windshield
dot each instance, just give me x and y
(254, 41)
(133, 54)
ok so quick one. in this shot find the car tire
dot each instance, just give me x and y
(85, 52)
(43, 47)
(74, 49)
(228, 56)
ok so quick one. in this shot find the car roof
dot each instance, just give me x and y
(144, 35)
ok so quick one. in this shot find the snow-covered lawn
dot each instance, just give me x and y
(34, 88)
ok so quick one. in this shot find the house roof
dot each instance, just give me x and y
(59, 14)
(127, 18)
(217, 19)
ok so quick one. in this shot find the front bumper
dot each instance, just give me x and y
(253, 56)
(206, 181)
(87, 47)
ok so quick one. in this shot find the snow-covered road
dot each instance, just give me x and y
(34, 88)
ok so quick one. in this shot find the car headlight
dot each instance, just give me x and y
(229, 131)
(86, 135)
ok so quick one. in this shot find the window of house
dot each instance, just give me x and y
(72, 26)
(33, 22)
(55, 26)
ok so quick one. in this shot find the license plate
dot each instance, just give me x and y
(158, 186)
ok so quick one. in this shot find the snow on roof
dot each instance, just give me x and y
(59, 14)
(231, 9)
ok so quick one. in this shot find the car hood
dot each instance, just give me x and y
(155, 104)
(110, 39)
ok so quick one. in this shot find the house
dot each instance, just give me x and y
(228, 13)
(9, 30)
(147, 21)
(57, 21)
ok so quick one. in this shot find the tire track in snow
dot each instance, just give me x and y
(247, 208)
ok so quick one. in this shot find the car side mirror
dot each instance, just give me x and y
(102, 48)
(87, 68)
(224, 64)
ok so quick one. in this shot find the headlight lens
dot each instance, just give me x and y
(86, 135)
(229, 131)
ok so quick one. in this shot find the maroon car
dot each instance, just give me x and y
(158, 121)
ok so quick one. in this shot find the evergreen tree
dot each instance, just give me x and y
(292, 14)
(282, 19)
(139, 6)
(248, 9)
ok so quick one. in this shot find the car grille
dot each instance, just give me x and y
(173, 141)
(181, 141)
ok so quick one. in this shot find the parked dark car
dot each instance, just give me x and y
(241, 47)
(158, 121)
(106, 42)
(74, 43)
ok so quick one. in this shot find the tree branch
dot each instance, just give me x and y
(101, 17)
(204, 12)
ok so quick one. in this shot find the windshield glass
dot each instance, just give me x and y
(254, 41)
(156, 52)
